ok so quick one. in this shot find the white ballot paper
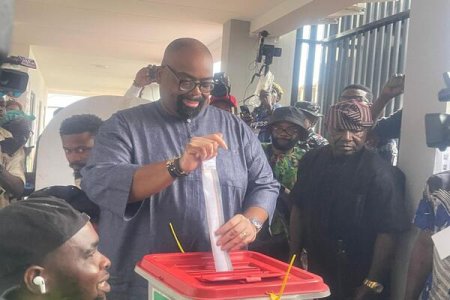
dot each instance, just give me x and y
(214, 213)
(441, 241)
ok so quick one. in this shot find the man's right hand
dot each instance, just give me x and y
(200, 149)
(142, 77)
(394, 87)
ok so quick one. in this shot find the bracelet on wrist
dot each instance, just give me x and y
(374, 286)
(174, 169)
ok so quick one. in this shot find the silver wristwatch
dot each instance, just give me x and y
(257, 223)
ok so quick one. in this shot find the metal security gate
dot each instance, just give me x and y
(365, 49)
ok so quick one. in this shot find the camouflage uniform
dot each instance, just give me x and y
(273, 241)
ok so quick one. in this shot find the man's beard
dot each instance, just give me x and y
(187, 112)
(76, 170)
(284, 146)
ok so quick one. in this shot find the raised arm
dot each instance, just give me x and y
(112, 178)
(393, 88)
(151, 179)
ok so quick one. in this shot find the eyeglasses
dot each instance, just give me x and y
(187, 85)
(290, 130)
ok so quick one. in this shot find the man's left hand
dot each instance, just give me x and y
(236, 233)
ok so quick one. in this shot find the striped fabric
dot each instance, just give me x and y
(349, 115)
(440, 286)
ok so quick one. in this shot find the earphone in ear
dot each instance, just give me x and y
(39, 281)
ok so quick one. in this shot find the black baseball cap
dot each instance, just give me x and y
(309, 107)
(288, 114)
(31, 229)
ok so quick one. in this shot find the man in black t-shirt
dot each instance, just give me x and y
(348, 208)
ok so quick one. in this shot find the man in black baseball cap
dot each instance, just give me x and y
(287, 126)
(48, 250)
(312, 114)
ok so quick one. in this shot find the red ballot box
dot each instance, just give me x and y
(179, 276)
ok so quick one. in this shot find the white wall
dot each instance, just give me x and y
(151, 92)
(51, 165)
(239, 50)
(38, 88)
(238, 53)
(283, 67)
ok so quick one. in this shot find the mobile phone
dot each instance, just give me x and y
(152, 72)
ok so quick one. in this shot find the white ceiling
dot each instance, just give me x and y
(96, 46)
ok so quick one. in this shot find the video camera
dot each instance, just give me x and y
(437, 126)
(14, 82)
(222, 86)
(267, 51)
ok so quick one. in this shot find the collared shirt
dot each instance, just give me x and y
(345, 202)
(148, 134)
(14, 164)
(433, 214)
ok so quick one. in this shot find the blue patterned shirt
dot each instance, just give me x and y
(433, 214)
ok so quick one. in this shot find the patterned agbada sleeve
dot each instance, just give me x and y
(424, 217)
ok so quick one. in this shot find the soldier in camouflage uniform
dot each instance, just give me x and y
(287, 126)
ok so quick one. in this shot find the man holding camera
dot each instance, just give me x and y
(259, 117)
(12, 164)
(144, 77)
(220, 95)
